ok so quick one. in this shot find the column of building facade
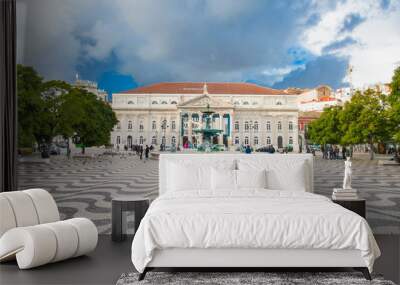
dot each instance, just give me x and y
(189, 128)
(229, 137)
(221, 135)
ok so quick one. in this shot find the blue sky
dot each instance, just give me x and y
(126, 43)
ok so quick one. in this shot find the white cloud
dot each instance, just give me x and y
(377, 38)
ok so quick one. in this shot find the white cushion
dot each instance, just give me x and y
(7, 218)
(184, 178)
(223, 179)
(278, 178)
(46, 207)
(282, 174)
(251, 178)
(23, 208)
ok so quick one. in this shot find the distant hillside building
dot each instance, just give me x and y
(91, 87)
(317, 99)
(169, 113)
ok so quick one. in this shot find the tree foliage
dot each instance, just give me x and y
(394, 101)
(326, 129)
(29, 104)
(363, 120)
(48, 109)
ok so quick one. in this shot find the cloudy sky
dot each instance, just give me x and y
(124, 43)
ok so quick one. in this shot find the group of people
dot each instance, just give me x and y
(139, 149)
(333, 152)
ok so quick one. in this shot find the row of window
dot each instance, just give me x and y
(249, 125)
(156, 103)
(164, 125)
(245, 103)
(256, 141)
(254, 103)
(129, 140)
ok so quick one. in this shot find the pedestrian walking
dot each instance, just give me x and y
(141, 152)
(146, 152)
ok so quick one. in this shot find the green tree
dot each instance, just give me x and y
(326, 129)
(51, 118)
(364, 119)
(92, 119)
(394, 112)
(29, 104)
(52, 108)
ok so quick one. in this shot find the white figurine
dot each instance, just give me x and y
(347, 174)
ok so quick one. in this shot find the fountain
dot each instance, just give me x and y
(208, 132)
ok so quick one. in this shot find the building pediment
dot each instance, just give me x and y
(203, 101)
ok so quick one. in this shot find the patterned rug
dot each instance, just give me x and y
(243, 278)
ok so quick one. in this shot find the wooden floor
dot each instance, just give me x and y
(111, 259)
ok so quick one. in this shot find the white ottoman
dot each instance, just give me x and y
(31, 233)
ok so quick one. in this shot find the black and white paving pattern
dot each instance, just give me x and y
(84, 187)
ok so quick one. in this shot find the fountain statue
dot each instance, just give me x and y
(208, 132)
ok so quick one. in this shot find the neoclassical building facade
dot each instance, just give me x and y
(169, 113)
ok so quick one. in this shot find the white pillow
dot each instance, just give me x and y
(251, 178)
(223, 179)
(279, 178)
(282, 174)
(184, 178)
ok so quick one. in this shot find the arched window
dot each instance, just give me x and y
(236, 140)
(154, 103)
(154, 125)
(246, 126)
(130, 102)
(245, 103)
(268, 126)
(290, 140)
(268, 140)
(173, 140)
(129, 141)
(164, 102)
(118, 140)
(236, 103)
(246, 140)
(173, 103)
(279, 126)
(173, 125)
(141, 140)
(118, 125)
(290, 126)
(154, 140)
(163, 140)
(237, 126)
(256, 140)
(278, 103)
(141, 127)
(255, 103)
(129, 125)
(255, 126)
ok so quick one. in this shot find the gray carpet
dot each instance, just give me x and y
(228, 278)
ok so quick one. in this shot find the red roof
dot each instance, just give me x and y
(212, 87)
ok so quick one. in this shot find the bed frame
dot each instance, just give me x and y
(261, 259)
(246, 259)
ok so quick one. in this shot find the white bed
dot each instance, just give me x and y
(225, 226)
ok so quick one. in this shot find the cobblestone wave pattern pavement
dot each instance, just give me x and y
(85, 187)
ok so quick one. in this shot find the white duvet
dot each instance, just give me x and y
(250, 219)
